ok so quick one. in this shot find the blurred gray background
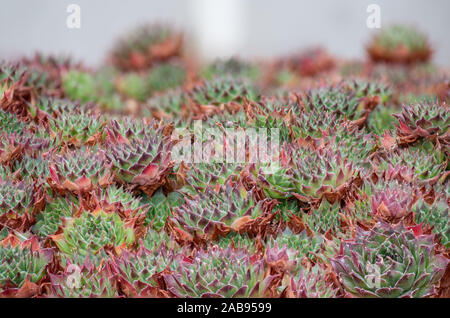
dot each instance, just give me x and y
(248, 28)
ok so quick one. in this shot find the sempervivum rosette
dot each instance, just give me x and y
(79, 171)
(389, 261)
(217, 211)
(141, 162)
(424, 121)
(221, 273)
(308, 175)
(23, 266)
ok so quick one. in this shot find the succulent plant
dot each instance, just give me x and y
(393, 201)
(217, 211)
(142, 163)
(429, 121)
(220, 273)
(428, 163)
(137, 272)
(19, 86)
(348, 99)
(146, 45)
(399, 44)
(389, 261)
(79, 171)
(308, 175)
(24, 262)
(436, 216)
(91, 232)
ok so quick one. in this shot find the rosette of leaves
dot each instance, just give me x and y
(51, 218)
(389, 262)
(23, 267)
(428, 121)
(428, 163)
(79, 171)
(13, 147)
(219, 210)
(220, 273)
(139, 273)
(123, 202)
(143, 163)
(84, 281)
(145, 45)
(399, 44)
(91, 232)
(393, 201)
(308, 175)
(436, 216)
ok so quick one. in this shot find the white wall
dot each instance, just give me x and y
(262, 28)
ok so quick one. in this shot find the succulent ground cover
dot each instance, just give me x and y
(95, 203)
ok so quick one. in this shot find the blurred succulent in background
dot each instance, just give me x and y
(145, 45)
(399, 44)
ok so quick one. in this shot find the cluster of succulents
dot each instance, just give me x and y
(95, 201)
